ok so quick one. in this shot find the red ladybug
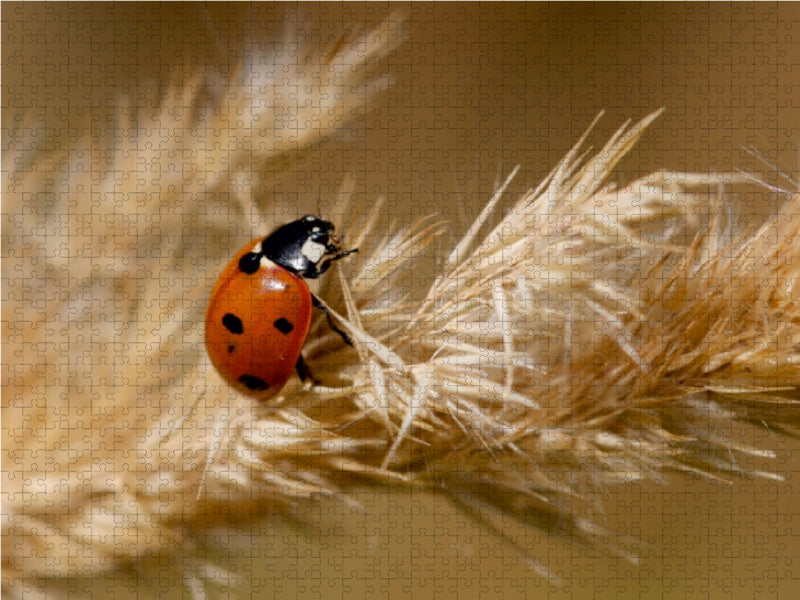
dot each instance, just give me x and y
(260, 309)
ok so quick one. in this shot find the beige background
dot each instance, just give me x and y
(479, 88)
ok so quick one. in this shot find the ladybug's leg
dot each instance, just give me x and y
(323, 307)
(326, 264)
(303, 371)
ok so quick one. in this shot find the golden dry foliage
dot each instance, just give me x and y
(587, 338)
(111, 412)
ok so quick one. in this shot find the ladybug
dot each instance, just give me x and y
(260, 309)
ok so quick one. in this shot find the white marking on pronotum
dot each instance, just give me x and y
(313, 251)
(265, 263)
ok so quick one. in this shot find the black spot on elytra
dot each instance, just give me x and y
(231, 348)
(253, 383)
(233, 323)
(250, 262)
(283, 326)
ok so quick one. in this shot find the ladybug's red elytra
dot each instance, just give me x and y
(259, 312)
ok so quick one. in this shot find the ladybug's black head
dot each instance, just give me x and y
(306, 246)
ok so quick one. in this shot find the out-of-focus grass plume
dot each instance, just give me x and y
(582, 335)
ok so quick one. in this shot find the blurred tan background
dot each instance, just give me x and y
(478, 89)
